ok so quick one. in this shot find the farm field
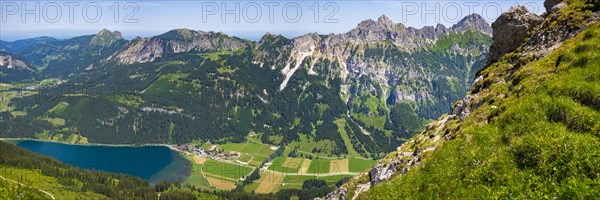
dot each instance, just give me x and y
(292, 162)
(285, 164)
(359, 165)
(338, 166)
(245, 158)
(319, 166)
(224, 169)
(221, 183)
(226, 172)
(305, 165)
(269, 182)
(286, 171)
(251, 153)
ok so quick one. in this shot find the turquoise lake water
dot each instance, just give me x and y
(153, 163)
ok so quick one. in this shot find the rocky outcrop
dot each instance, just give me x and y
(541, 41)
(14, 68)
(510, 31)
(549, 4)
(553, 31)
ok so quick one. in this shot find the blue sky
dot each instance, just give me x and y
(246, 19)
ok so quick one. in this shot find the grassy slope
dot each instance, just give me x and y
(539, 139)
(11, 190)
(36, 180)
(196, 178)
(341, 123)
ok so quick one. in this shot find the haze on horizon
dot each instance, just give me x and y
(244, 19)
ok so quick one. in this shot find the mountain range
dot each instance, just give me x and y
(382, 80)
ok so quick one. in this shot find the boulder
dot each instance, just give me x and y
(510, 31)
(549, 4)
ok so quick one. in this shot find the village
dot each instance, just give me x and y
(214, 152)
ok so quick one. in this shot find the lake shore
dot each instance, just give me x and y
(152, 162)
(89, 144)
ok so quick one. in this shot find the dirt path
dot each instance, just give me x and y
(48, 193)
(199, 160)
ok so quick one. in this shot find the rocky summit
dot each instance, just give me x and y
(141, 50)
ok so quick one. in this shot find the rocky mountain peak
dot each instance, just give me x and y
(180, 34)
(268, 37)
(115, 34)
(106, 37)
(382, 23)
(366, 24)
(174, 41)
(473, 22)
(385, 22)
(306, 42)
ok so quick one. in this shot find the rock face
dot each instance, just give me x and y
(510, 31)
(13, 68)
(8, 61)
